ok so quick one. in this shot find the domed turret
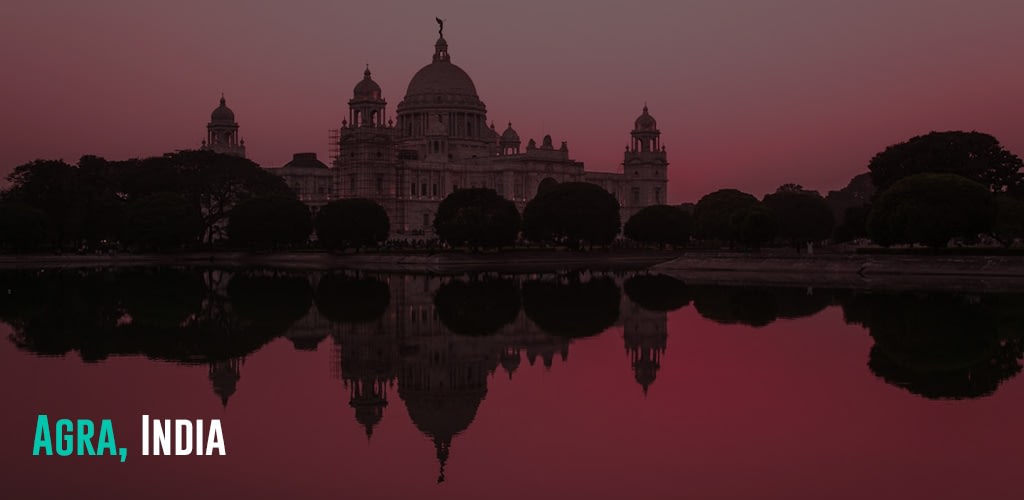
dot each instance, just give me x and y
(222, 132)
(366, 89)
(509, 142)
(366, 107)
(223, 114)
(645, 121)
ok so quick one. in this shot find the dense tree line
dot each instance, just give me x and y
(928, 190)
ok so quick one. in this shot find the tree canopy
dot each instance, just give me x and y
(162, 221)
(660, 224)
(974, 155)
(574, 213)
(713, 216)
(477, 217)
(269, 223)
(23, 228)
(755, 226)
(930, 209)
(801, 215)
(353, 222)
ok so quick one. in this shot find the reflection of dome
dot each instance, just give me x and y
(509, 136)
(441, 414)
(222, 114)
(366, 88)
(645, 121)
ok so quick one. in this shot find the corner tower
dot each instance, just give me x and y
(222, 132)
(644, 166)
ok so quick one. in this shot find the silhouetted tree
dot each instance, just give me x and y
(714, 213)
(353, 222)
(854, 225)
(974, 155)
(930, 209)
(755, 226)
(477, 307)
(162, 221)
(858, 192)
(802, 216)
(571, 307)
(261, 223)
(476, 218)
(657, 292)
(350, 299)
(82, 203)
(1009, 221)
(22, 228)
(216, 183)
(546, 185)
(660, 224)
(574, 213)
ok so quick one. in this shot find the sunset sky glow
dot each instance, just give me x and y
(747, 94)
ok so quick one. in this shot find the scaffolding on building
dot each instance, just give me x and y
(333, 146)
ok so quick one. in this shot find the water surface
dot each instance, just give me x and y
(567, 385)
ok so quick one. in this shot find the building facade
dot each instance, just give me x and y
(441, 141)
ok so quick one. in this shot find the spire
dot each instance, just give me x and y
(222, 101)
(442, 457)
(366, 74)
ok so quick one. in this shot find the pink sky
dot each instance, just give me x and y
(747, 94)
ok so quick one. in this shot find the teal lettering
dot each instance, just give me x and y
(85, 431)
(42, 441)
(65, 439)
(107, 438)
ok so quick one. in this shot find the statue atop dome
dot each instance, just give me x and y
(440, 27)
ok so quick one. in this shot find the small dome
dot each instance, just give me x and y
(645, 121)
(222, 114)
(305, 160)
(366, 88)
(509, 135)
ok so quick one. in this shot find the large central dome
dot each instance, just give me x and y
(442, 100)
(441, 77)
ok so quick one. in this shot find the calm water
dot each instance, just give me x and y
(578, 385)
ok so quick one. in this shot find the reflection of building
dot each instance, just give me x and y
(222, 132)
(442, 142)
(224, 375)
(645, 334)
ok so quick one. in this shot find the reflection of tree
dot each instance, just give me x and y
(730, 305)
(271, 301)
(571, 307)
(657, 292)
(161, 297)
(347, 299)
(793, 303)
(477, 307)
(169, 314)
(938, 346)
(758, 306)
